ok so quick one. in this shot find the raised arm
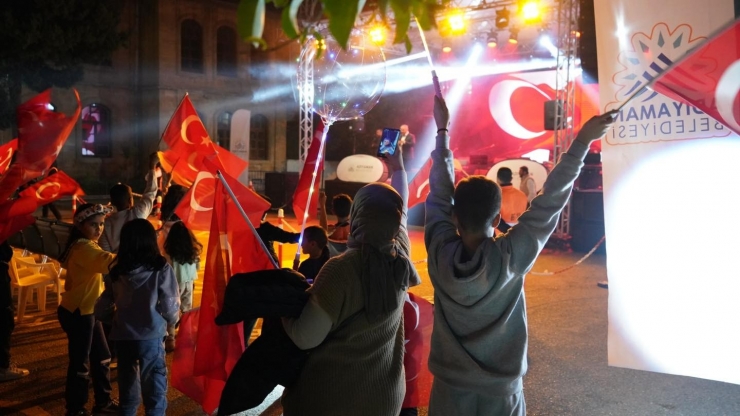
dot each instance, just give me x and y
(144, 205)
(323, 222)
(399, 180)
(528, 237)
(438, 225)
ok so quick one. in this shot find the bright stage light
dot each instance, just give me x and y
(531, 11)
(502, 18)
(446, 49)
(546, 43)
(455, 22)
(513, 36)
(492, 39)
(378, 34)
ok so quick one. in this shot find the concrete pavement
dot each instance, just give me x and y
(568, 372)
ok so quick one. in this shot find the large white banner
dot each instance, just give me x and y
(670, 198)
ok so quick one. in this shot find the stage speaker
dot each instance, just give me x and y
(552, 108)
(587, 220)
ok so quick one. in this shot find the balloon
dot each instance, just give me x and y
(346, 83)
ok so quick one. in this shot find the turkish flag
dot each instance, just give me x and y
(41, 135)
(419, 185)
(190, 145)
(708, 77)
(6, 154)
(196, 208)
(302, 191)
(232, 248)
(41, 193)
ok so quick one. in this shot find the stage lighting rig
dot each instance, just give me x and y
(514, 35)
(502, 18)
(492, 41)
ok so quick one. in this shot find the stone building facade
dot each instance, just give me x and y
(176, 47)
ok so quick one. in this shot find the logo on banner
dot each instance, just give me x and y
(650, 116)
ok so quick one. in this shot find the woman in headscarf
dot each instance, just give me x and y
(353, 319)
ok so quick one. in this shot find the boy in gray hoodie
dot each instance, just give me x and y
(479, 343)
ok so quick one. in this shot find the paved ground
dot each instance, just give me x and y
(568, 373)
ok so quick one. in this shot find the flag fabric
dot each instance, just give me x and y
(41, 135)
(190, 145)
(10, 226)
(6, 154)
(211, 351)
(419, 185)
(300, 196)
(418, 315)
(708, 77)
(196, 207)
(41, 193)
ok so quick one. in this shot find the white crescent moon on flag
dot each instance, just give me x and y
(499, 103)
(193, 203)
(184, 128)
(46, 185)
(727, 89)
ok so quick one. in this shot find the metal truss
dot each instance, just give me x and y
(305, 96)
(567, 44)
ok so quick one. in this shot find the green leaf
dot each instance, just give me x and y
(290, 29)
(403, 19)
(280, 3)
(409, 46)
(424, 14)
(342, 15)
(383, 7)
(251, 20)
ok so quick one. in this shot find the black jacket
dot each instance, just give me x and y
(272, 358)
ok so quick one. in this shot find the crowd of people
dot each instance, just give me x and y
(127, 285)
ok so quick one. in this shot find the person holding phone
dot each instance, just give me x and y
(388, 142)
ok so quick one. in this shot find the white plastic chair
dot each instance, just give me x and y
(26, 275)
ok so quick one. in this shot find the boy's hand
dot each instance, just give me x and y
(153, 160)
(441, 113)
(596, 127)
(322, 200)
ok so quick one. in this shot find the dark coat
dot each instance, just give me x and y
(272, 358)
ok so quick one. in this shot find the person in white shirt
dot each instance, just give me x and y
(527, 184)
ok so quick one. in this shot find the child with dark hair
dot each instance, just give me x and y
(182, 251)
(479, 341)
(89, 355)
(313, 244)
(340, 206)
(172, 198)
(122, 198)
(143, 288)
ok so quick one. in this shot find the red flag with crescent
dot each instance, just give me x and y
(190, 145)
(196, 208)
(41, 193)
(6, 154)
(708, 77)
(41, 135)
(232, 248)
(300, 196)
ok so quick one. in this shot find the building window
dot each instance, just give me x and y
(96, 138)
(258, 137)
(223, 130)
(226, 51)
(191, 46)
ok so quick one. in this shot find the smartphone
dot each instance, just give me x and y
(388, 142)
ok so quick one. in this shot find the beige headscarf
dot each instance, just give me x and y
(375, 230)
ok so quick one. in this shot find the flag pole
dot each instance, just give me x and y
(327, 125)
(678, 61)
(170, 121)
(246, 218)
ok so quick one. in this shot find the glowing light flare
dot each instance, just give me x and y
(531, 11)
(378, 34)
(454, 23)
(446, 49)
